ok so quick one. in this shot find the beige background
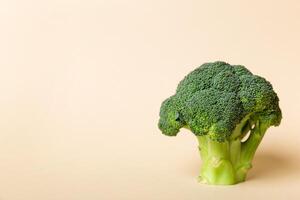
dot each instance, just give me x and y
(81, 84)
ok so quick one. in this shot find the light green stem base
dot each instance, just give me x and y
(227, 163)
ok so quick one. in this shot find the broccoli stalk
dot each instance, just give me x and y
(228, 162)
(221, 104)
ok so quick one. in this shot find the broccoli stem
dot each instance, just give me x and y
(217, 167)
(248, 149)
(227, 162)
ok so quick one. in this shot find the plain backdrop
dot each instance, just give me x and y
(81, 83)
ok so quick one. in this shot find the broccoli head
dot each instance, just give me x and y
(221, 104)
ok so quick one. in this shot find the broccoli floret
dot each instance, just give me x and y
(170, 119)
(220, 104)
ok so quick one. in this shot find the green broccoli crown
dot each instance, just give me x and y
(215, 97)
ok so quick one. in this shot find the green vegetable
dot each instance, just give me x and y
(223, 105)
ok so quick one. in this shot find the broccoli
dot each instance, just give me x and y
(229, 110)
